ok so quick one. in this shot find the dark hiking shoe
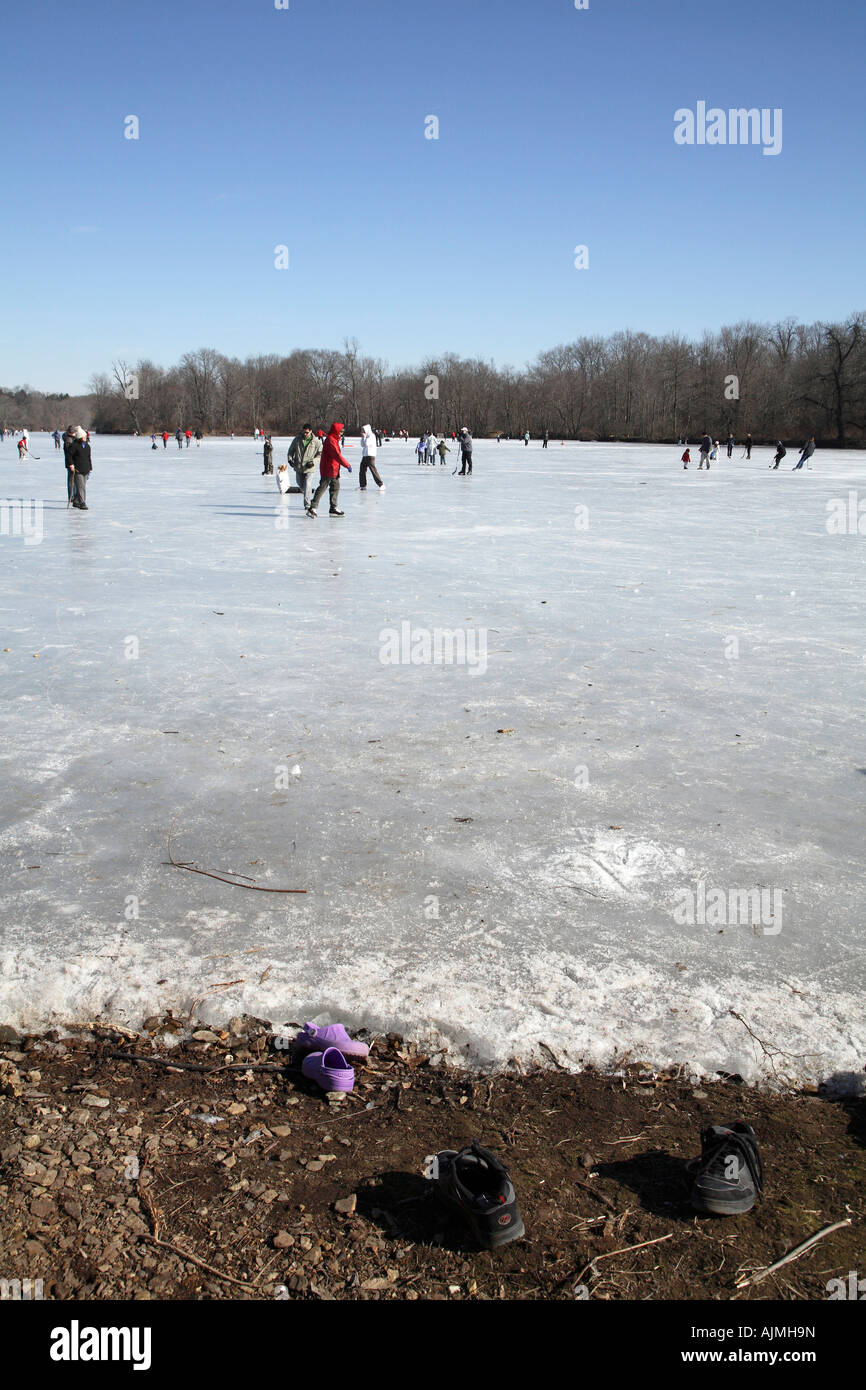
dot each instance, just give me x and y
(474, 1183)
(336, 512)
(729, 1174)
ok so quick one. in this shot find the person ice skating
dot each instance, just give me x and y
(686, 459)
(465, 452)
(421, 449)
(58, 439)
(368, 459)
(80, 462)
(165, 439)
(432, 446)
(748, 446)
(22, 449)
(304, 451)
(545, 437)
(187, 434)
(706, 446)
(731, 443)
(781, 451)
(198, 438)
(268, 454)
(329, 468)
(443, 450)
(178, 434)
(808, 451)
(526, 438)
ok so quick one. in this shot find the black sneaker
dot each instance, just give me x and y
(477, 1185)
(729, 1174)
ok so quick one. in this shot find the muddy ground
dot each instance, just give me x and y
(124, 1179)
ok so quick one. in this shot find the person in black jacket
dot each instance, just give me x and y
(68, 441)
(78, 459)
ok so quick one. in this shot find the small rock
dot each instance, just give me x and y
(8, 1035)
(237, 1107)
(205, 1035)
(96, 1102)
(283, 1241)
(587, 1161)
(700, 1095)
(281, 1131)
(315, 1166)
(346, 1205)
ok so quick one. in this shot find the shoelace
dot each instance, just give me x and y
(719, 1150)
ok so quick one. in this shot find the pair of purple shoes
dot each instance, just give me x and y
(327, 1049)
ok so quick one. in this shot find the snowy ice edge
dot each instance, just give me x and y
(587, 1017)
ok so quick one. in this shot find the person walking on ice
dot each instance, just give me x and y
(421, 449)
(304, 450)
(526, 438)
(465, 452)
(443, 450)
(332, 462)
(731, 443)
(268, 454)
(686, 459)
(706, 446)
(808, 451)
(368, 459)
(178, 434)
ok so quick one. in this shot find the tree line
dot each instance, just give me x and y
(783, 380)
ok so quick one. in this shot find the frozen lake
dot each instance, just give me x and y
(556, 844)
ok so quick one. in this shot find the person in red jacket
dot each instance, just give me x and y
(332, 462)
(686, 459)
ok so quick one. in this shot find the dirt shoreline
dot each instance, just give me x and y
(125, 1179)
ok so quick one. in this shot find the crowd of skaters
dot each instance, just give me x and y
(710, 451)
(311, 447)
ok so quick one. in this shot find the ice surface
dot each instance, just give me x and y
(645, 755)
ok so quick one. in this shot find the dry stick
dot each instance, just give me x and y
(624, 1251)
(767, 1048)
(743, 1282)
(190, 868)
(176, 1250)
(199, 1066)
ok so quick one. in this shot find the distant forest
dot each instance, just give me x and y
(785, 380)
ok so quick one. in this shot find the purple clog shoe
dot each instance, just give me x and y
(329, 1069)
(313, 1039)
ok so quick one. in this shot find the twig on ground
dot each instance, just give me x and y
(759, 1275)
(193, 1259)
(191, 868)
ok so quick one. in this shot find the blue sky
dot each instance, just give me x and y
(305, 127)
